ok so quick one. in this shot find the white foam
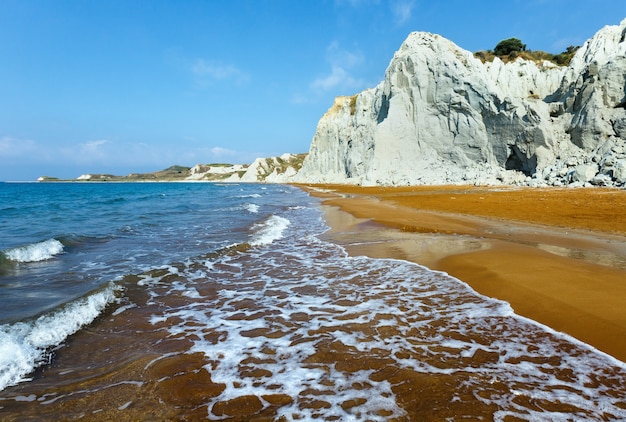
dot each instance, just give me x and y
(29, 398)
(268, 231)
(354, 302)
(124, 308)
(25, 345)
(35, 252)
(125, 405)
(252, 208)
(321, 326)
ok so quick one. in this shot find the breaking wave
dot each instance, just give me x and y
(35, 252)
(26, 345)
(251, 208)
(268, 231)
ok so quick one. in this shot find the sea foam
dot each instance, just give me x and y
(251, 208)
(35, 251)
(268, 231)
(322, 327)
(26, 345)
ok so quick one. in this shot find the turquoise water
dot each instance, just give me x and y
(190, 301)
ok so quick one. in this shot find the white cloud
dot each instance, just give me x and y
(12, 147)
(207, 73)
(335, 55)
(222, 152)
(95, 144)
(340, 79)
(402, 11)
(89, 152)
(28, 159)
(93, 147)
(137, 155)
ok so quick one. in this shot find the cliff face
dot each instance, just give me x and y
(264, 170)
(442, 116)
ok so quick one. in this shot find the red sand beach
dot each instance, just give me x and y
(558, 256)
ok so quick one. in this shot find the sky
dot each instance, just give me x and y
(127, 86)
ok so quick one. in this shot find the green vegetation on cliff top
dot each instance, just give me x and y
(512, 48)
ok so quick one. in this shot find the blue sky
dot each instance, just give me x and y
(136, 86)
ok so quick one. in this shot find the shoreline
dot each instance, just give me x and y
(567, 271)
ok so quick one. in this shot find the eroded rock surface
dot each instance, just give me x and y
(442, 116)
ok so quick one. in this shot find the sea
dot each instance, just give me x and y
(201, 301)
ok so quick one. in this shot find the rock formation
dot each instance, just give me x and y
(216, 172)
(442, 116)
(274, 169)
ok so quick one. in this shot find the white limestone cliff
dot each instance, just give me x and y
(442, 116)
(215, 172)
(264, 170)
(273, 169)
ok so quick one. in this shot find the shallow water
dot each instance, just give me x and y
(278, 324)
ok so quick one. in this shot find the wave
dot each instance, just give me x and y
(268, 231)
(35, 252)
(26, 345)
(251, 208)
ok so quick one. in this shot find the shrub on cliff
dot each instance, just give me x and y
(508, 46)
(538, 56)
(565, 57)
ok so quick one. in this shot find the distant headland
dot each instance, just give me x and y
(269, 170)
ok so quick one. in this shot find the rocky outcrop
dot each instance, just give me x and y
(216, 172)
(442, 116)
(274, 169)
(265, 170)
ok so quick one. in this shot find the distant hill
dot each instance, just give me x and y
(273, 169)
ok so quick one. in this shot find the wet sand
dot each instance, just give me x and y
(558, 256)
(294, 330)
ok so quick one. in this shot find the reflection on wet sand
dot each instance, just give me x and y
(567, 272)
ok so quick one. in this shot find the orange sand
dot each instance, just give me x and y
(558, 256)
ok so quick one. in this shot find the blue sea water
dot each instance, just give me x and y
(59, 241)
(176, 301)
